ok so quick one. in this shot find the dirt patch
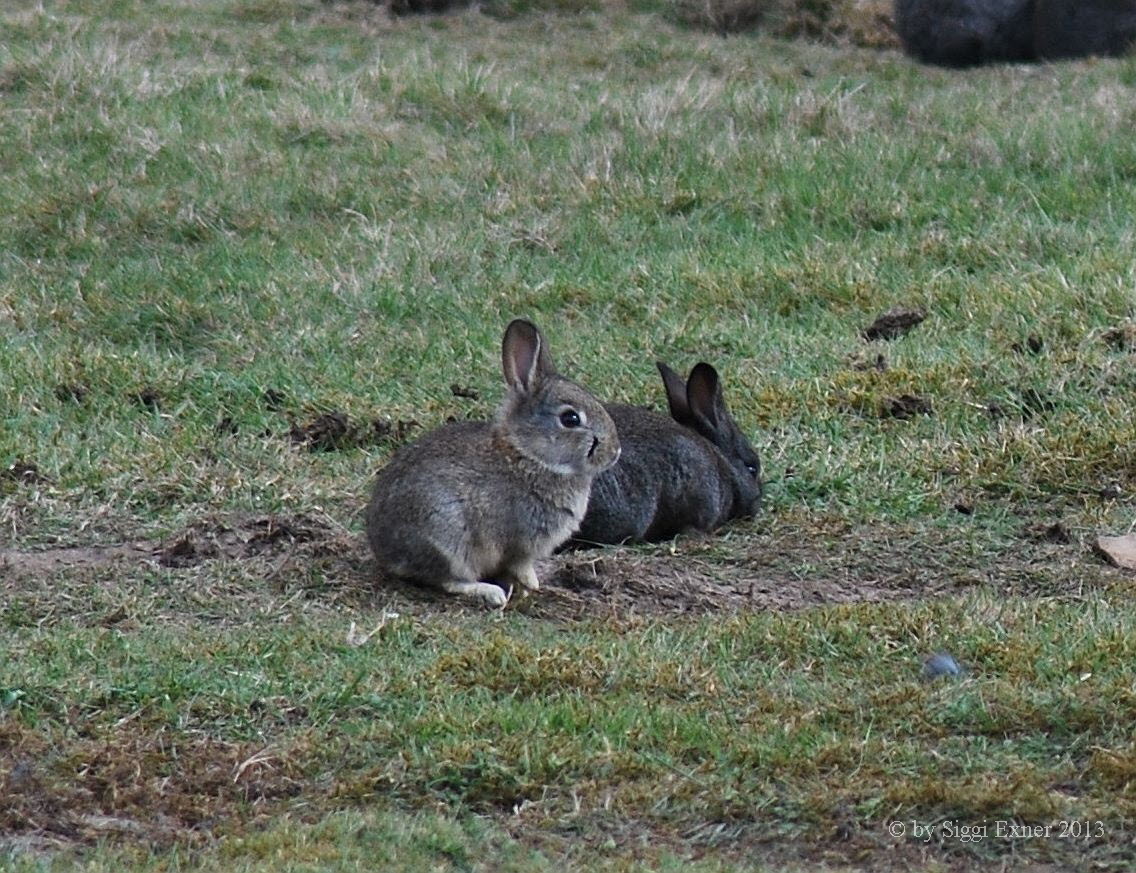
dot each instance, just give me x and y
(783, 570)
(204, 541)
(274, 400)
(464, 392)
(905, 406)
(152, 785)
(46, 561)
(893, 324)
(246, 539)
(1122, 337)
(23, 473)
(335, 432)
(772, 565)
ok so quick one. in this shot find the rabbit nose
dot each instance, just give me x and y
(595, 445)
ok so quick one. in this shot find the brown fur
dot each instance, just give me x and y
(470, 506)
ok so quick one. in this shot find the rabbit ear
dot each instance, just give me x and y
(524, 356)
(676, 394)
(704, 395)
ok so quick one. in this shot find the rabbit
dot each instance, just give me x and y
(693, 470)
(962, 33)
(475, 501)
(1075, 28)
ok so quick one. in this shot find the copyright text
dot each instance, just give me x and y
(953, 830)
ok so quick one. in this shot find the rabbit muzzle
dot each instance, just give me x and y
(601, 460)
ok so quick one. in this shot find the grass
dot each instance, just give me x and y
(226, 219)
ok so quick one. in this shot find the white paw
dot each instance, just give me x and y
(528, 580)
(493, 595)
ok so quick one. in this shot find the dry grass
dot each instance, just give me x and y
(866, 23)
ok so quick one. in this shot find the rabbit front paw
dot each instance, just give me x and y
(486, 592)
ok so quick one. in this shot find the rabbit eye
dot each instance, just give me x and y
(752, 470)
(570, 418)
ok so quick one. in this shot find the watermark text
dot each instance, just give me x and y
(955, 830)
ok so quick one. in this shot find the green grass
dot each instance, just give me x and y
(223, 219)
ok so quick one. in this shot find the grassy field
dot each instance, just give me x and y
(247, 248)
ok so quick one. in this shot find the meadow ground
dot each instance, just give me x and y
(249, 248)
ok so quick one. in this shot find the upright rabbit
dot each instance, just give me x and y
(693, 470)
(477, 501)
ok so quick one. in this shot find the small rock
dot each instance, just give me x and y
(941, 664)
(1118, 551)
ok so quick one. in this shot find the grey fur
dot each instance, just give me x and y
(962, 33)
(477, 501)
(693, 470)
(1075, 28)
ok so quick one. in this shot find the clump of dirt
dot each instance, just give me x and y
(273, 400)
(336, 432)
(1053, 532)
(905, 406)
(226, 426)
(422, 7)
(893, 324)
(210, 541)
(24, 473)
(871, 405)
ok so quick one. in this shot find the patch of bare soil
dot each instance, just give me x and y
(203, 541)
(23, 473)
(768, 566)
(893, 324)
(142, 784)
(905, 406)
(244, 539)
(786, 569)
(335, 431)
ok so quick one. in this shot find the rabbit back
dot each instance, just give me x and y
(694, 469)
(668, 479)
